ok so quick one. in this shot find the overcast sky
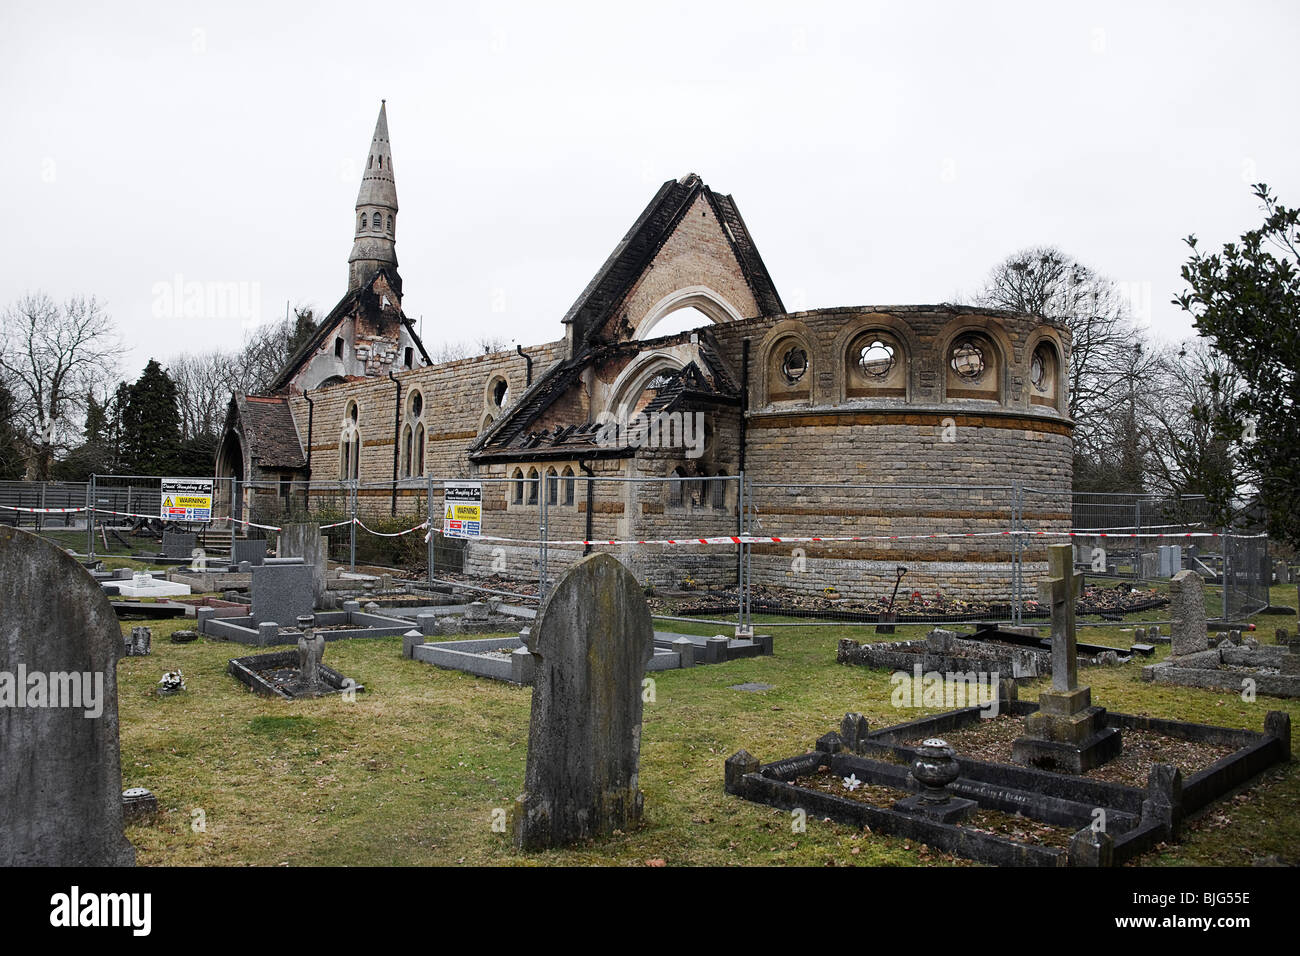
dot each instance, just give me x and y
(882, 153)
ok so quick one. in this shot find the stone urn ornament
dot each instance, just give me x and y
(935, 767)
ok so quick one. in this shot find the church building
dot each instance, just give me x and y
(937, 395)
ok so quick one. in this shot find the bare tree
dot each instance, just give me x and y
(1109, 355)
(203, 387)
(483, 345)
(268, 349)
(1187, 453)
(53, 357)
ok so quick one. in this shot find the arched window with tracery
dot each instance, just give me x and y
(875, 366)
(972, 367)
(789, 371)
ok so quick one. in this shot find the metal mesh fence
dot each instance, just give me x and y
(860, 553)
(1144, 540)
(708, 548)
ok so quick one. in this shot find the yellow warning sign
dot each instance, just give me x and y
(186, 499)
(463, 514)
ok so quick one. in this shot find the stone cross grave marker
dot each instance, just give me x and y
(1067, 733)
(60, 763)
(1059, 592)
(593, 639)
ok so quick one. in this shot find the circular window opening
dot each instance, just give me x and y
(1038, 370)
(794, 365)
(877, 359)
(968, 360)
(500, 391)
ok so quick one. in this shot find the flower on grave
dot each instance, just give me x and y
(852, 782)
(172, 681)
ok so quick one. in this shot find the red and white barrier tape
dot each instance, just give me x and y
(816, 539)
(715, 540)
(396, 534)
(43, 511)
(122, 514)
(383, 534)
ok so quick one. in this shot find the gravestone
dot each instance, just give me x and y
(592, 641)
(1282, 573)
(178, 545)
(60, 764)
(139, 644)
(1150, 565)
(1187, 633)
(1067, 733)
(250, 550)
(281, 592)
(306, 541)
(1171, 560)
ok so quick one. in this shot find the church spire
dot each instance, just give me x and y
(376, 212)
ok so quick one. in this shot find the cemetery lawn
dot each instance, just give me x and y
(411, 772)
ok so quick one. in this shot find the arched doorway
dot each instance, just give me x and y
(229, 470)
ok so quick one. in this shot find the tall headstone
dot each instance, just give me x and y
(281, 592)
(176, 544)
(592, 641)
(60, 764)
(1188, 633)
(249, 550)
(306, 541)
(1067, 733)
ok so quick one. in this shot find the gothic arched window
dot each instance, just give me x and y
(377, 222)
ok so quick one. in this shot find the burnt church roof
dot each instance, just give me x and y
(706, 382)
(638, 247)
(362, 299)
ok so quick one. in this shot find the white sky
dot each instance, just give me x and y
(880, 153)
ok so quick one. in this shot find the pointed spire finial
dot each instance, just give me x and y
(376, 210)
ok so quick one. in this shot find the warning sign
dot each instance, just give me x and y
(462, 509)
(186, 499)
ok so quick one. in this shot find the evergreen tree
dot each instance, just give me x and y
(151, 423)
(1245, 300)
(11, 457)
(96, 430)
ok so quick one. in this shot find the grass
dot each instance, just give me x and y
(413, 770)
